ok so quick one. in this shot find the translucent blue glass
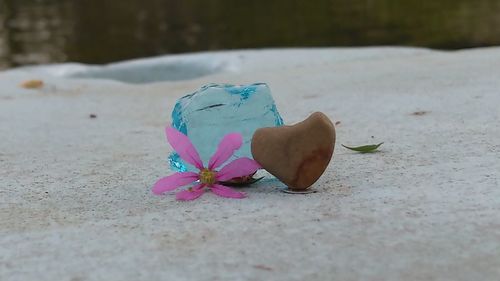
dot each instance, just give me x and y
(215, 110)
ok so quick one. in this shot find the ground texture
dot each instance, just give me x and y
(75, 200)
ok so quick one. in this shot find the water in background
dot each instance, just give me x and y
(100, 31)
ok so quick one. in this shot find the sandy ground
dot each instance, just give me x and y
(75, 200)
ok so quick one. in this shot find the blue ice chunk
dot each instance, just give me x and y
(215, 110)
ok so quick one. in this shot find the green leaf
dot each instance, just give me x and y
(364, 148)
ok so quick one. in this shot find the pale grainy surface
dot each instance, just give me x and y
(75, 201)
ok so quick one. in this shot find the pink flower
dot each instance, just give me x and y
(208, 177)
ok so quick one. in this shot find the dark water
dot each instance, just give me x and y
(100, 31)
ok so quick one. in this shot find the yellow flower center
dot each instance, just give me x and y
(207, 177)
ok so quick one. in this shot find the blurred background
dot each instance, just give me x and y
(102, 31)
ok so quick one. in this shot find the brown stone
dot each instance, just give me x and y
(298, 154)
(32, 84)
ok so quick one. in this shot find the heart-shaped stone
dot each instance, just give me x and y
(298, 154)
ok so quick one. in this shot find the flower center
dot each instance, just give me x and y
(207, 177)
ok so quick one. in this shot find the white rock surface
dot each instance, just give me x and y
(75, 200)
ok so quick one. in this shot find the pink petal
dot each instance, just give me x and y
(227, 192)
(174, 181)
(183, 146)
(238, 168)
(227, 146)
(192, 194)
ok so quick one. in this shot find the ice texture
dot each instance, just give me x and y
(215, 110)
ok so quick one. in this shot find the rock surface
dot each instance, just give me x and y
(75, 191)
(297, 154)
